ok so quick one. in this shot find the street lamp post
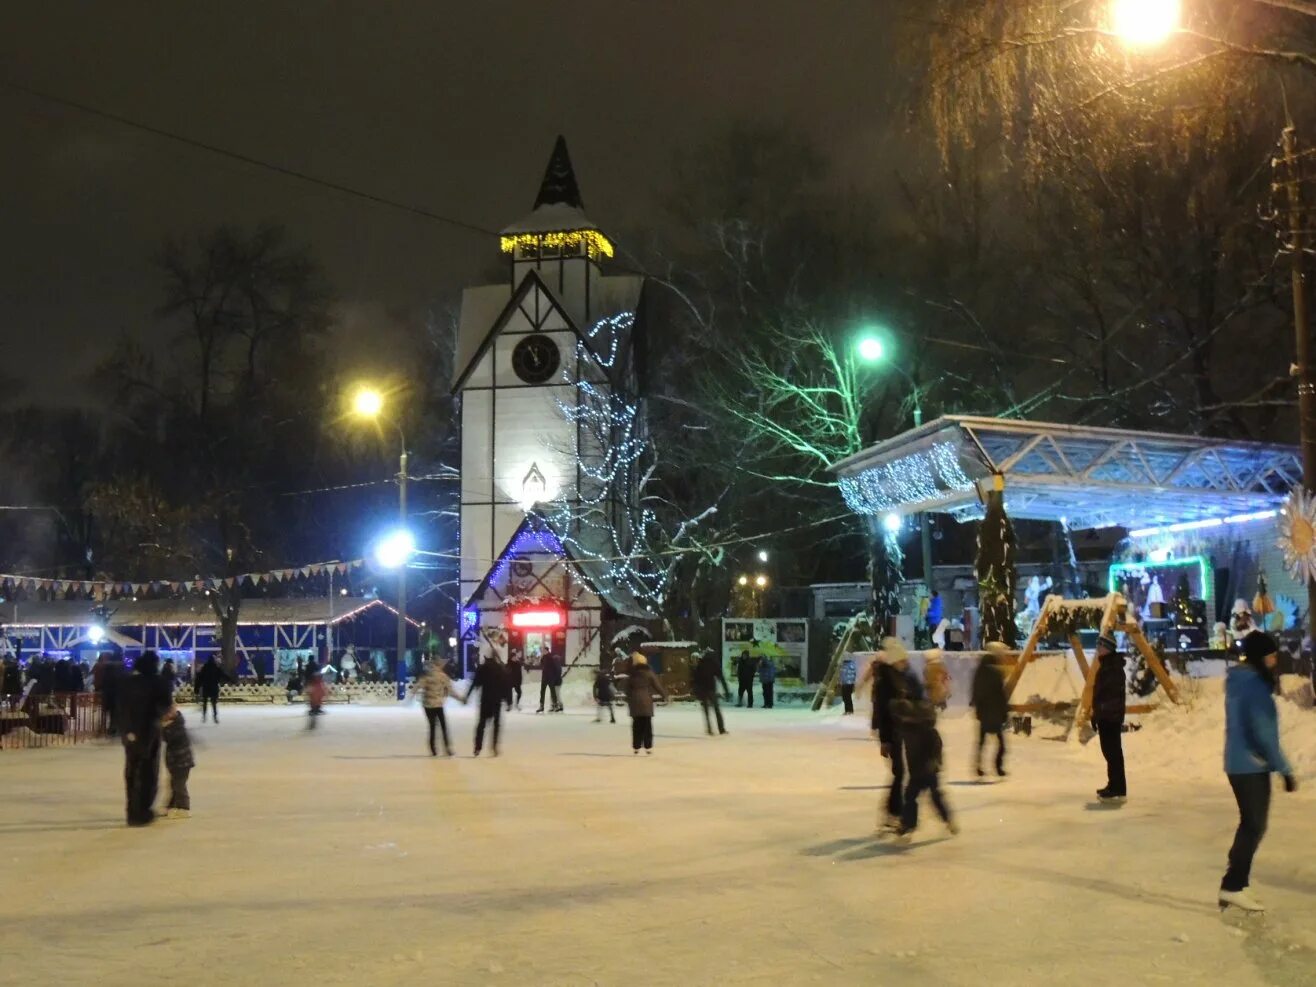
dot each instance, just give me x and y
(871, 350)
(369, 403)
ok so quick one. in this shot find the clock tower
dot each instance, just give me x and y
(538, 356)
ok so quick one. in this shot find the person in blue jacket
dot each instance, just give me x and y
(849, 675)
(1252, 752)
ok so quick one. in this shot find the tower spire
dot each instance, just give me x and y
(559, 185)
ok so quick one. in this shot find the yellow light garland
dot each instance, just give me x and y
(594, 242)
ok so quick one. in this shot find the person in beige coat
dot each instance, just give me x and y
(641, 686)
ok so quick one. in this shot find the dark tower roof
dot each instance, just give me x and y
(559, 186)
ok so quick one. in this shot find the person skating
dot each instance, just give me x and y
(490, 679)
(917, 712)
(603, 694)
(1252, 753)
(143, 699)
(208, 681)
(550, 677)
(434, 688)
(179, 761)
(849, 675)
(704, 681)
(990, 705)
(745, 679)
(891, 678)
(641, 686)
(515, 678)
(1108, 702)
(767, 679)
(317, 690)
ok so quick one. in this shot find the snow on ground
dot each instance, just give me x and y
(348, 856)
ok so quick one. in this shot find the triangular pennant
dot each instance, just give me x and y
(341, 568)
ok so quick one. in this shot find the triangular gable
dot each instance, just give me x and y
(534, 526)
(530, 281)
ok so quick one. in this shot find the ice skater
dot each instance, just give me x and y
(767, 679)
(704, 682)
(1252, 753)
(317, 690)
(745, 679)
(208, 681)
(917, 711)
(603, 694)
(550, 678)
(892, 680)
(641, 686)
(491, 680)
(991, 706)
(849, 675)
(515, 677)
(143, 699)
(1108, 704)
(434, 688)
(179, 761)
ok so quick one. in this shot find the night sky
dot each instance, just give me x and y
(450, 107)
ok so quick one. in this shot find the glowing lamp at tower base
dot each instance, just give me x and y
(538, 619)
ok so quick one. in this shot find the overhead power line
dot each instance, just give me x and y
(244, 158)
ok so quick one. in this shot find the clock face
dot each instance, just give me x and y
(536, 358)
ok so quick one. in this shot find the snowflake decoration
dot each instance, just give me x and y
(1297, 534)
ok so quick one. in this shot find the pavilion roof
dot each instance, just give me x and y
(1086, 476)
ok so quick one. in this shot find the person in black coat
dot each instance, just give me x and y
(746, 667)
(1108, 702)
(208, 681)
(603, 692)
(923, 748)
(550, 677)
(705, 679)
(143, 699)
(892, 680)
(491, 679)
(515, 676)
(990, 704)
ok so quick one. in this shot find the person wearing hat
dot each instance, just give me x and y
(916, 711)
(143, 700)
(1108, 702)
(991, 706)
(641, 686)
(1252, 754)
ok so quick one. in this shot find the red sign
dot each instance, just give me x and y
(538, 618)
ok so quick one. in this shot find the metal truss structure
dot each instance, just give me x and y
(1085, 477)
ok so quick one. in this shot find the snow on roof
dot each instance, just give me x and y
(181, 613)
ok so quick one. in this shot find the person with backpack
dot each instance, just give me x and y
(917, 712)
(704, 680)
(1252, 755)
(991, 706)
(434, 687)
(641, 686)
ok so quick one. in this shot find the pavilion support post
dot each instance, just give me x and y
(1081, 658)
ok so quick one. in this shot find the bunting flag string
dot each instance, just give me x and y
(108, 590)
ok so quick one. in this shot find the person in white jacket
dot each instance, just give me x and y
(434, 687)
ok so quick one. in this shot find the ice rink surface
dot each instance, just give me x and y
(348, 855)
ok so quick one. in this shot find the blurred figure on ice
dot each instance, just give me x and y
(889, 672)
(491, 679)
(641, 686)
(207, 684)
(745, 679)
(550, 677)
(603, 693)
(917, 712)
(991, 706)
(849, 675)
(1252, 752)
(434, 687)
(317, 690)
(934, 611)
(515, 676)
(936, 678)
(294, 686)
(168, 674)
(767, 679)
(1108, 692)
(143, 699)
(179, 762)
(704, 682)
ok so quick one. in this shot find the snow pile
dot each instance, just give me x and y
(1188, 741)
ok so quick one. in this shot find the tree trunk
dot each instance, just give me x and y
(226, 601)
(996, 570)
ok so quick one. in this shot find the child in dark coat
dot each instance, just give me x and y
(179, 763)
(603, 694)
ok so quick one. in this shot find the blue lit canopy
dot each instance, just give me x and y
(1088, 477)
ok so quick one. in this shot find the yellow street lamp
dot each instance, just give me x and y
(1144, 23)
(743, 581)
(367, 402)
(761, 581)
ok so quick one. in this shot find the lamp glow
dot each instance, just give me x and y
(538, 618)
(368, 402)
(870, 349)
(891, 523)
(394, 549)
(763, 555)
(743, 581)
(761, 581)
(95, 633)
(1144, 23)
